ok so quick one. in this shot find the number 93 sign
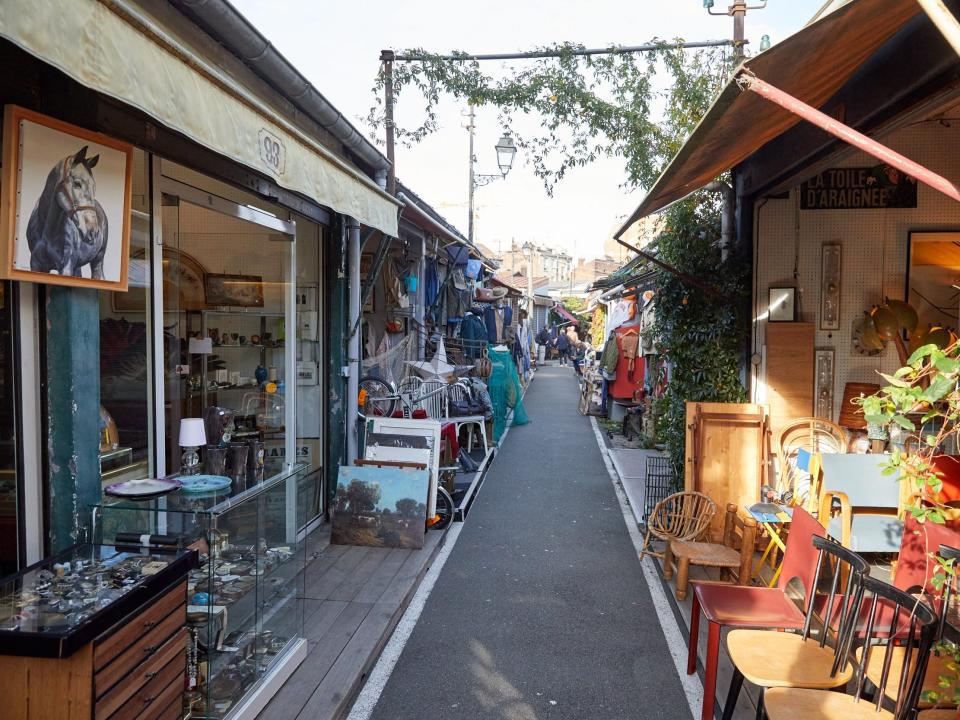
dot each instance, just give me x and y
(271, 151)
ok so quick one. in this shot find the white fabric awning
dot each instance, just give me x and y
(147, 67)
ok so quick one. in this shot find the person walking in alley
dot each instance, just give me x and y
(563, 346)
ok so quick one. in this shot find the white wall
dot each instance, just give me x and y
(874, 251)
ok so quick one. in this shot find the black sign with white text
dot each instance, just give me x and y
(859, 188)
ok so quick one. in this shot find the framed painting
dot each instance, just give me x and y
(235, 290)
(933, 278)
(380, 506)
(65, 203)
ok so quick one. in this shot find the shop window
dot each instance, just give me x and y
(228, 296)
(125, 378)
(9, 548)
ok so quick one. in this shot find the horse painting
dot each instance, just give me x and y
(68, 226)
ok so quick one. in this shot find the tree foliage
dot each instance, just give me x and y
(699, 335)
(590, 106)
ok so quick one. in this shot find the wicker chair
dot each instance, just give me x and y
(681, 516)
(816, 436)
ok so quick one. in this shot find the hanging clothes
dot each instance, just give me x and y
(610, 356)
(473, 332)
(431, 282)
(628, 383)
(622, 312)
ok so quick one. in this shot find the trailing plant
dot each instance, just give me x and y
(700, 334)
(922, 398)
(588, 107)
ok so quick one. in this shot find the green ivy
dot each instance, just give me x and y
(700, 335)
(591, 106)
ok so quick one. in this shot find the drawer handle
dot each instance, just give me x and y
(149, 624)
(149, 649)
(149, 675)
(148, 700)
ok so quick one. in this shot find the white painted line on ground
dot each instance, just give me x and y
(377, 680)
(692, 687)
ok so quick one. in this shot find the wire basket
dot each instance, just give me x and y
(660, 481)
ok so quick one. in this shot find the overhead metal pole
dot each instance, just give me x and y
(614, 50)
(945, 21)
(739, 11)
(846, 133)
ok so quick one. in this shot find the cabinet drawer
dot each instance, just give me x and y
(110, 647)
(160, 707)
(146, 679)
(142, 649)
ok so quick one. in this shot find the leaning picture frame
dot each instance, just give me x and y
(64, 204)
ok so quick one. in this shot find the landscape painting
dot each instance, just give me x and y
(380, 507)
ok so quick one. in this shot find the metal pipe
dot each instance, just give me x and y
(614, 50)
(846, 133)
(945, 21)
(353, 341)
(471, 180)
(228, 27)
(726, 217)
(386, 57)
(685, 277)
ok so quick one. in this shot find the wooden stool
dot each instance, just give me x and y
(724, 556)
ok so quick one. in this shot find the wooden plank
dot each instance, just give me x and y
(343, 679)
(414, 567)
(351, 584)
(41, 688)
(298, 689)
(320, 617)
(318, 584)
(376, 586)
(790, 361)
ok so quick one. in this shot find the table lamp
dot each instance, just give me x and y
(192, 436)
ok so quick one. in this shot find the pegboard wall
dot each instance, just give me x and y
(874, 246)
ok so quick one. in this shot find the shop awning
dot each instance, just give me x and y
(564, 313)
(811, 65)
(108, 48)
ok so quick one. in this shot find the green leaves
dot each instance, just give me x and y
(590, 106)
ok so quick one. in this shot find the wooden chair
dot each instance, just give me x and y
(917, 625)
(754, 607)
(813, 436)
(869, 503)
(724, 556)
(937, 715)
(681, 516)
(773, 659)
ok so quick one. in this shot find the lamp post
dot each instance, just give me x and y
(528, 252)
(506, 150)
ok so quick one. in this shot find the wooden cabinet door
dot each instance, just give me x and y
(790, 368)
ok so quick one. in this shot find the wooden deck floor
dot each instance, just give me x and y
(354, 597)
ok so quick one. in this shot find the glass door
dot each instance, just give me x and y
(9, 488)
(229, 335)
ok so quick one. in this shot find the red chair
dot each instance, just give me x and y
(753, 607)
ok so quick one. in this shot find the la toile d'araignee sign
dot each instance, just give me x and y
(859, 188)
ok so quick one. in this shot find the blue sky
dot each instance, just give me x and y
(337, 46)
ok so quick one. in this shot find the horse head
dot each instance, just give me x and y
(76, 195)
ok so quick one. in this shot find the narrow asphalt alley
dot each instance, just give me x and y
(541, 610)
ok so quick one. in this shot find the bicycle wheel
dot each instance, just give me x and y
(445, 509)
(381, 398)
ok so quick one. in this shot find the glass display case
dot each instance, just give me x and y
(245, 600)
(56, 606)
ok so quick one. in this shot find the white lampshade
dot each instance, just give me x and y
(200, 346)
(192, 433)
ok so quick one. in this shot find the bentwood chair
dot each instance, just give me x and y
(681, 516)
(771, 659)
(914, 620)
(755, 607)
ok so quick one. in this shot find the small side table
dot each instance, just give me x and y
(774, 523)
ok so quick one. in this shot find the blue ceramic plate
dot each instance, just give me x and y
(205, 483)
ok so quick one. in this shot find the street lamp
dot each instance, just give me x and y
(506, 150)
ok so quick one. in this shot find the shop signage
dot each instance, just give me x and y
(275, 450)
(272, 151)
(859, 188)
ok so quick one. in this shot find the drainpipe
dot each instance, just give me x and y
(353, 341)
(726, 219)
